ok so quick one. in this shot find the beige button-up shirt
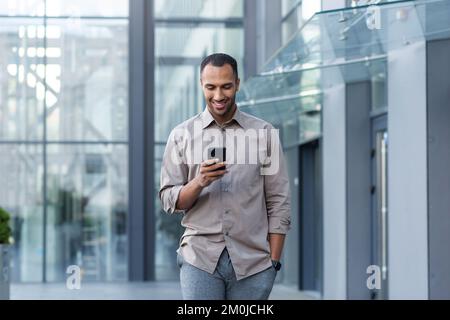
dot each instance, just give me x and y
(237, 211)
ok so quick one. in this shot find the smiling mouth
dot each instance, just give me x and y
(219, 105)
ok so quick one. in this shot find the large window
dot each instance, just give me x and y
(63, 136)
(186, 32)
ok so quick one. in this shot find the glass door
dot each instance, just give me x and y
(311, 225)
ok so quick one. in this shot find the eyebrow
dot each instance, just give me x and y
(223, 85)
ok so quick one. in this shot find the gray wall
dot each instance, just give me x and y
(290, 273)
(334, 181)
(140, 224)
(358, 146)
(438, 115)
(268, 32)
(407, 174)
(251, 39)
(334, 194)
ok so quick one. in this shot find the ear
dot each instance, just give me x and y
(238, 82)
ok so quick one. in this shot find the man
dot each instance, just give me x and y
(236, 218)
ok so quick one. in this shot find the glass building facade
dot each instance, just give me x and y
(64, 136)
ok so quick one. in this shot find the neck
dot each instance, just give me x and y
(226, 117)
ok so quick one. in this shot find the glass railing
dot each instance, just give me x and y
(352, 42)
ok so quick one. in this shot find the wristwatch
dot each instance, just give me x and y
(276, 264)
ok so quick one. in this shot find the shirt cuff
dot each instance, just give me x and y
(279, 224)
(170, 198)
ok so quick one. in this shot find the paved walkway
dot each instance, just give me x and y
(124, 291)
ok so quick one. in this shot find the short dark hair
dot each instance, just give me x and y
(219, 60)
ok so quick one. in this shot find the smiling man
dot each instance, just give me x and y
(235, 218)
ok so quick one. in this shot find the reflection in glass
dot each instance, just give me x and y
(291, 101)
(199, 8)
(280, 85)
(304, 50)
(298, 119)
(288, 5)
(168, 230)
(295, 14)
(309, 8)
(87, 207)
(71, 8)
(77, 69)
(172, 109)
(178, 94)
(21, 169)
(197, 42)
(21, 79)
(81, 8)
(87, 79)
(292, 23)
(30, 8)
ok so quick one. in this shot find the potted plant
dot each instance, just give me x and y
(5, 236)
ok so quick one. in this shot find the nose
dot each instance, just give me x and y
(218, 95)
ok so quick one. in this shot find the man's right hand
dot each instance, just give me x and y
(209, 173)
(190, 192)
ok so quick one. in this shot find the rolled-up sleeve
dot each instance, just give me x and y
(277, 195)
(174, 175)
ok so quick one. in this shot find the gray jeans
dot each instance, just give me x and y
(197, 284)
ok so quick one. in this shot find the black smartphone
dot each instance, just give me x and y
(218, 153)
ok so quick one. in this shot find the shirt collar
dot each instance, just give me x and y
(207, 118)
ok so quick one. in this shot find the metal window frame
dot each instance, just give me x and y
(141, 220)
(291, 11)
(195, 22)
(250, 66)
(44, 155)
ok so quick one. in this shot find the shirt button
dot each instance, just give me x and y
(227, 211)
(226, 233)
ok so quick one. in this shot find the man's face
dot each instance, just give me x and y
(219, 86)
